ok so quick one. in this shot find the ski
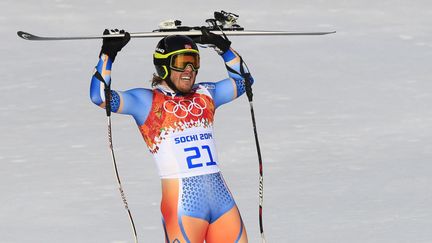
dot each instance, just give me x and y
(223, 23)
(29, 36)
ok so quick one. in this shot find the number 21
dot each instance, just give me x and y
(197, 155)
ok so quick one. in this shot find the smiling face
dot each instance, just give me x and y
(184, 80)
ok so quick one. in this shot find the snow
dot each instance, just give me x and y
(344, 122)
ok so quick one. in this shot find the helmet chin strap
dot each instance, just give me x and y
(172, 86)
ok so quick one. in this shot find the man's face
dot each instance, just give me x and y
(184, 80)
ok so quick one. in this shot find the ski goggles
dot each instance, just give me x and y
(179, 61)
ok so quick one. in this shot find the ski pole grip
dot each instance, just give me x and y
(248, 86)
(107, 91)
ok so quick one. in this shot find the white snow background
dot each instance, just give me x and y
(344, 120)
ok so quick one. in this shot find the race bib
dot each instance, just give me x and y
(188, 154)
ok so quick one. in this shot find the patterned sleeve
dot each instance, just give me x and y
(229, 89)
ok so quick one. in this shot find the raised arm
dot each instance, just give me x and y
(135, 102)
(228, 89)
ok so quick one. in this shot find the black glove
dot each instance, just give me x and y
(222, 44)
(112, 45)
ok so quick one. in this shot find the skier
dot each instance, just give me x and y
(175, 118)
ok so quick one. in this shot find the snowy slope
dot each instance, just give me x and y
(344, 121)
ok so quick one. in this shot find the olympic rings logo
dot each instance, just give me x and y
(182, 108)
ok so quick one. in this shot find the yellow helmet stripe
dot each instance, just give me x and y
(166, 71)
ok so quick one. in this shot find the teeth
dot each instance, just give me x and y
(187, 78)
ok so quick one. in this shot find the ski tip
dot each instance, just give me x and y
(25, 35)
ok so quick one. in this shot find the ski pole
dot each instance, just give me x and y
(107, 92)
(249, 94)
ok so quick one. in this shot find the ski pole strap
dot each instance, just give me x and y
(246, 77)
(107, 92)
